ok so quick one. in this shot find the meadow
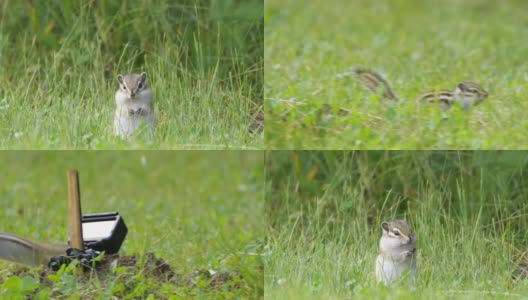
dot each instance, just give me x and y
(418, 46)
(324, 210)
(196, 210)
(59, 62)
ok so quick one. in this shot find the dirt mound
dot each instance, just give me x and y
(151, 266)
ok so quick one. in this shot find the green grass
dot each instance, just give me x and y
(468, 210)
(59, 62)
(419, 46)
(194, 209)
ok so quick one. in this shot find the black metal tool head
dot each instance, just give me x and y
(103, 232)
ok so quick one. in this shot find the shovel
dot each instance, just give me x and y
(99, 232)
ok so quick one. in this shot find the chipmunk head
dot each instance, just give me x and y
(471, 88)
(132, 84)
(397, 233)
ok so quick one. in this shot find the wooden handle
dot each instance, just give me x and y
(74, 210)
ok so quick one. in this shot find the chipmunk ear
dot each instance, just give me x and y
(385, 226)
(143, 76)
(120, 78)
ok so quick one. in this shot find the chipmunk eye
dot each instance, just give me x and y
(396, 232)
(124, 87)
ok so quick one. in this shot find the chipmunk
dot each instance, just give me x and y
(375, 82)
(134, 105)
(521, 269)
(467, 93)
(397, 252)
(17, 249)
(257, 121)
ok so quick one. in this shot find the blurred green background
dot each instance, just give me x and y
(194, 209)
(368, 184)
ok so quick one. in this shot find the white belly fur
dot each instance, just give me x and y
(389, 269)
(125, 124)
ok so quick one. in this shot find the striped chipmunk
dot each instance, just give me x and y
(466, 93)
(134, 105)
(397, 252)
